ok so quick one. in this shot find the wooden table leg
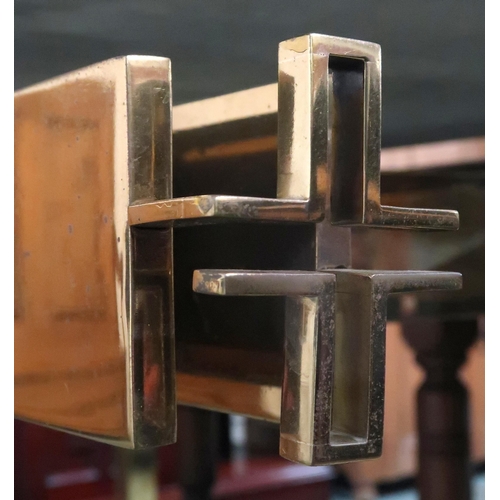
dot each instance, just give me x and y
(198, 448)
(442, 402)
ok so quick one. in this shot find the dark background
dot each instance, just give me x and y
(432, 50)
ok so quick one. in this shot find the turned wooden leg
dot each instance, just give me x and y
(442, 406)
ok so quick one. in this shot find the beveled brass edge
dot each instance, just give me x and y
(149, 99)
(320, 454)
(221, 206)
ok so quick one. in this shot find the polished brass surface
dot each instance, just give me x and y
(218, 206)
(105, 182)
(332, 401)
(93, 308)
(327, 142)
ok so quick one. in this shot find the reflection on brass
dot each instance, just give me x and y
(332, 402)
(104, 179)
(93, 345)
(256, 400)
(231, 149)
(441, 154)
(328, 124)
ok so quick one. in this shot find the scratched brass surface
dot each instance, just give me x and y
(92, 336)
